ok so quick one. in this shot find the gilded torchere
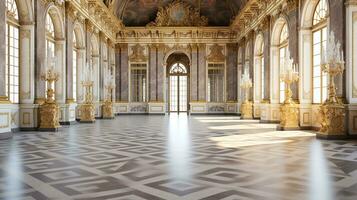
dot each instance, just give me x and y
(332, 112)
(49, 109)
(247, 106)
(108, 104)
(87, 109)
(289, 110)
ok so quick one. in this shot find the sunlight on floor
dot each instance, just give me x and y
(272, 137)
(244, 127)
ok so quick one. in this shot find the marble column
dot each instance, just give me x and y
(231, 84)
(60, 87)
(40, 52)
(69, 58)
(194, 73)
(153, 73)
(124, 75)
(117, 73)
(267, 61)
(160, 85)
(81, 53)
(337, 25)
(96, 77)
(26, 54)
(202, 73)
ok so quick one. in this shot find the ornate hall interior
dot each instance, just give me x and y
(178, 99)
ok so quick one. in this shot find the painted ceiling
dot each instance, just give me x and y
(142, 12)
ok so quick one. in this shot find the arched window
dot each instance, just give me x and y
(178, 68)
(50, 44)
(283, 49)
(12, 52)
(75, 65)
(320, 81)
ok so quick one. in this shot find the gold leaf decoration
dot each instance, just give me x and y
(179, 13)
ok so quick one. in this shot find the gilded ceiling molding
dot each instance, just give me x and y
(216, 54)
(138, 54)
(176, 34)
(255, 12)
(97, 13)
(179, 13)
(56, 2)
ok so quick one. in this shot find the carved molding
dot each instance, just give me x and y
(179, 13)
(216, 54)
(138, 54)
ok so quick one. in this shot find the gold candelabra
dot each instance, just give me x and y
(289, 111)
(87, 109)
(108, 103)
(247, 106)
(332, 111)
(49, 109)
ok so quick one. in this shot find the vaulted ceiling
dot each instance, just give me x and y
(142, 12)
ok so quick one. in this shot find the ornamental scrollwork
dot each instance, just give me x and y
(179, 13)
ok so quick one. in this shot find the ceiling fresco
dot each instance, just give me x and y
(142, 12)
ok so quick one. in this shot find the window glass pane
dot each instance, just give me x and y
(12, 63)
(215, 82)
(12, 9)
(321, 12)
(138, 83)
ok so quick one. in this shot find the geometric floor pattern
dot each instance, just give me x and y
(176, 157)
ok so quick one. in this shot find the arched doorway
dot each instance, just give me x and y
(178, 83)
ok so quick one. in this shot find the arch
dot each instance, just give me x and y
(308, 11)
(94, 45)
(25, 11)
(259, 44)
(258, 73)
(175, 51)
(177, 98)
(306, 60)
(277, 29)
(278, 51)
(79, 34)
(247, 51)
(56, 17)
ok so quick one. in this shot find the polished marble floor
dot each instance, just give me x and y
(176, 157)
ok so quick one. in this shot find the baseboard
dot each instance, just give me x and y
(269, 122)
(15, 130)
(68, 123)
(5, 136)
(29, 129)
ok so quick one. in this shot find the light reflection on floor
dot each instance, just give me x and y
(273, 137)
(177, 157)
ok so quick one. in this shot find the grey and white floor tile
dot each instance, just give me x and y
(176, 157)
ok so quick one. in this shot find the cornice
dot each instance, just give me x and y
(176, 35)
(256, 12)
(98, 14)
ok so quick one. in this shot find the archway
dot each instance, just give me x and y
(178, 82)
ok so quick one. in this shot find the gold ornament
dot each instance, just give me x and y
(289, 111)
(108, 104)
(247, 106)
(332, 112)
(49, 109)
(87, 109)
(179, 13)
